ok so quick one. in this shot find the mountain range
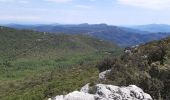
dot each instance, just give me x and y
(122, 36)
(153, 28)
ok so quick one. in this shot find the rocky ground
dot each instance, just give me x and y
(106, 92)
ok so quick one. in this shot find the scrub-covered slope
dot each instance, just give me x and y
(147, 66)
(35, 65)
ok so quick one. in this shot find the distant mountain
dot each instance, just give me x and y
(122, 36)
(134, 30)
(153, 28)
(25, 42)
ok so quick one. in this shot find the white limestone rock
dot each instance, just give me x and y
(102, 75)
(85, 88)
(106, 92)
(79, 96)
(76, 95)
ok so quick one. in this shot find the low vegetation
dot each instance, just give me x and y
(146, 66)
(36, 66)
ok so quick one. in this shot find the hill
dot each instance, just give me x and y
(14, 42)
(32, 62)
(147, 66)
(153, 28)
(120, 35)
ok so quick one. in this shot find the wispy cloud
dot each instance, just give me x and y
(151, 4)
(59, 1)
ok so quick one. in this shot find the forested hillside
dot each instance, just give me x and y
(147, 66)
(32, 63)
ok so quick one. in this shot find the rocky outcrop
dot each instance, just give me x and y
(102, 75)
(106, 92)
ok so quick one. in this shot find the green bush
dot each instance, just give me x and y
(145, 68)
(105, 64)
(157, 54)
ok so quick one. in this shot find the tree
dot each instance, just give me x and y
(158, 54)
(106, 64)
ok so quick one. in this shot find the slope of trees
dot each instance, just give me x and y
(146, 66)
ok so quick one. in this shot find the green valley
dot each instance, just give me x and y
(36, 66)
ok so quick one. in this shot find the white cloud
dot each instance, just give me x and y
(151, 4)
(59, 1)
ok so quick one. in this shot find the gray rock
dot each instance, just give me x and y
(107, 92)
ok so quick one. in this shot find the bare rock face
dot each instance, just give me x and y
(106, 92)
(85, 88)
(76, 95)
(102, 75)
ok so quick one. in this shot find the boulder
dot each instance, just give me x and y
(106, 92)
(102, 75)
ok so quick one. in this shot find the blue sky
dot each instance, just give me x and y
(115, 12)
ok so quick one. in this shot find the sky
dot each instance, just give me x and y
(113, 12)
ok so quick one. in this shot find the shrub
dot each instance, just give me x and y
(7, 64)
(106, 64)
(92, 90)
(157, 54)
(49, 92)
(143, 68)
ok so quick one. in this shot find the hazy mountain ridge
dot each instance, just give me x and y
(19, 40)
(122, 36)
(153, 28)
